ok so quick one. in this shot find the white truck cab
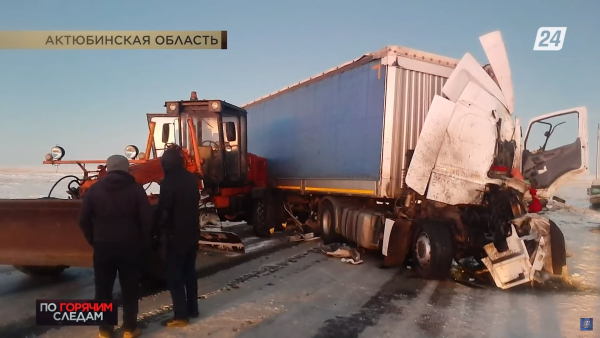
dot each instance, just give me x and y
(470, 144)
(472, 128)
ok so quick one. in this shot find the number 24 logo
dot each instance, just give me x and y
(556, 35)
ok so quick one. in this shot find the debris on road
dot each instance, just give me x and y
(346, 253)
(303, 237)
(533, 255)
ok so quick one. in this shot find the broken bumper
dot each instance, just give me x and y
(518, 265)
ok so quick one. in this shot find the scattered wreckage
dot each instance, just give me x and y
(417, 156)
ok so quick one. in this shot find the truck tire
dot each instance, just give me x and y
(326, 217)
(37, 271)
(260, 221)
(276, 213)
(432, 249)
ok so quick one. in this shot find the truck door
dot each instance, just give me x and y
(555, 148)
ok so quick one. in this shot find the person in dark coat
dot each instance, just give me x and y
(178, 207)
(116, 219)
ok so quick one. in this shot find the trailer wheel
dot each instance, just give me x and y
(432, 249)
(327, 222)
(260, 222)
(37, 271)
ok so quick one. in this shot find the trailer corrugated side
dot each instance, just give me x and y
(348, 130)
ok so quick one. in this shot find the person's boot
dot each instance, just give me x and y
(176, 323)
(131, 334)
(105, 332)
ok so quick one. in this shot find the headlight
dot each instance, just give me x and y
(142, 156)
(228, 148)
(57, 153)
(131, 152)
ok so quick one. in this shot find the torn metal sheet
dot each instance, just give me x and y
(511, 267)
(467, 151)
(430, 141)
(493, 45)
(518, 158)
(469, 70)
(537, 228)
(517, 266)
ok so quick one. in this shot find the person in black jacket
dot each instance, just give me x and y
(178, 205)
(116, 219)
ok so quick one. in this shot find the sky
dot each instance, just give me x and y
(93, 102)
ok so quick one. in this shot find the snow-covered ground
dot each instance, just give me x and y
(35, 184)
(489, 312)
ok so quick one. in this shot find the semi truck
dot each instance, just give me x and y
(420, 157)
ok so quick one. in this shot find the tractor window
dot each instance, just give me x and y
(210, 131)
(234, 122)
(166, 131)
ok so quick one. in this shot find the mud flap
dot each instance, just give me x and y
(212, 240)
(399, 234)
(558, 250)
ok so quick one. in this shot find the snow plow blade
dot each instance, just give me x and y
(42, 232)
(45, 233)
(217, 240)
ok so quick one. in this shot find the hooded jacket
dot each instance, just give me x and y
(179, 202)
(116, 210)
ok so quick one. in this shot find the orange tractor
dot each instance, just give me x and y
(42, 236)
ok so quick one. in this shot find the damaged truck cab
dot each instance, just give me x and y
(418, 155)
(466, 132)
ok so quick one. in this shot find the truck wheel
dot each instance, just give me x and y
(260, 223)
(327, 222)
(276, 213)
(231, 218)
(37, 271)
(432, 249)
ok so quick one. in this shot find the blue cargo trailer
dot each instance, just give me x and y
(338, 144)
(349, 130)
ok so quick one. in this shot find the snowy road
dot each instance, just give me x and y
(299, 292)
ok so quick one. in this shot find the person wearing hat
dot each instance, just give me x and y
(179, 219)
(116, 220)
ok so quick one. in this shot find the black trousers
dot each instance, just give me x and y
(113, 258)
(181, 280)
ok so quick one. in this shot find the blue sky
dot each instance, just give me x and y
(93, 102)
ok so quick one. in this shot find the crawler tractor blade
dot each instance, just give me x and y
(215, 239)
(42, 233)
